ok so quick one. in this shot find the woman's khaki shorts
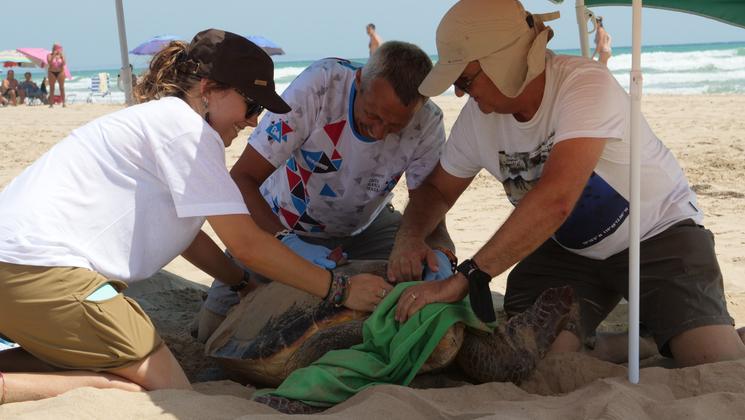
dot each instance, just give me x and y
(44, 310)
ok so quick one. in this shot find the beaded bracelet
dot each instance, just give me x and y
(338, 289)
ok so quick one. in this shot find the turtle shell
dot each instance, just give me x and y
(261, 334)
(275, 330)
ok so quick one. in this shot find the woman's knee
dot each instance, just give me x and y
(158, 370)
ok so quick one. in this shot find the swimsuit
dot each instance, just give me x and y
(57, 63)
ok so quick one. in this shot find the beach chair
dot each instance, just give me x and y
(99, 86)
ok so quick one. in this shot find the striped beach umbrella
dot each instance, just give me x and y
(12, 58)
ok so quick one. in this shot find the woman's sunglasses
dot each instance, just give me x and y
(252, 107)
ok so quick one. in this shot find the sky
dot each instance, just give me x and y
(307, 30)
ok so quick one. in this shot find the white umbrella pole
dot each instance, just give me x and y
(584, 43)
(635, 88)
(125, 70)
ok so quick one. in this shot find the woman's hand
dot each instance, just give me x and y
(407, 256)
(366, 291)
(416, 297)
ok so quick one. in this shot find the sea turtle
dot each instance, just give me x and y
(277, 329)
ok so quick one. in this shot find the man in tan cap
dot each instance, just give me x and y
(555, 131)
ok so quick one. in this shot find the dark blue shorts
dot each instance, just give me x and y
(681, 284)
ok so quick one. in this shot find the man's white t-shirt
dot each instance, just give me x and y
(331, 180)
(581, 99)
(122, 195)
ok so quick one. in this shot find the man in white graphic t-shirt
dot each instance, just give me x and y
(554, 130)
(322, 176)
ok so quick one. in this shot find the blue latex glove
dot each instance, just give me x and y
(443, 265)
(317, 254)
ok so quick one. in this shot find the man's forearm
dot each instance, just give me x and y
(535, 219)
(440, 237)
(424, 216)
(261, 213)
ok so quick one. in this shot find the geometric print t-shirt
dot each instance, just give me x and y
(331, 180)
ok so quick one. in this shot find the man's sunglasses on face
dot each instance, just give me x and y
(464, 84)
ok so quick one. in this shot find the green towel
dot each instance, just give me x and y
(390, 353)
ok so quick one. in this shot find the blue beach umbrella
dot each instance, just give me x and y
(269, 46)
(154, 44)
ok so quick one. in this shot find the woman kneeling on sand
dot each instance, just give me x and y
(117, 200)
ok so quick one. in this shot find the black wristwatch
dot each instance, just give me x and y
(245, 281)
(478, 290)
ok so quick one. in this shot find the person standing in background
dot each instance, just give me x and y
(56, 62)
(602, 42)
(375, 39)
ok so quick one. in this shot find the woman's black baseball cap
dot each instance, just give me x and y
(229, 58)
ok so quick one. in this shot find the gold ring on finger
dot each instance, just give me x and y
(413, 296)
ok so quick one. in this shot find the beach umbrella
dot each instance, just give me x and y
(126, 70)
(12, 58)
(727, 11)
(154, 44)
(38, 57)
(269, 46)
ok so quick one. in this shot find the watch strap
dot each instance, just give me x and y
(479, 294)
(245, 281)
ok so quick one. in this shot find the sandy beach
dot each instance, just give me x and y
(705, 133)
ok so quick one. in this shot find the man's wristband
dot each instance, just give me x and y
(282, 233)
(245, 281)
(478, 290)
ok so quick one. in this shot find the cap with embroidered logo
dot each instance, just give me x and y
(229, 58)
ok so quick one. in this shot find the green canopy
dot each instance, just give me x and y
(727, 11)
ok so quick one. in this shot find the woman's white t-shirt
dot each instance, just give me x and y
(581, 99)
(122, 195)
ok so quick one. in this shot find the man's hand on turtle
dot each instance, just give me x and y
(366, 291)
(416, 297)
(407, 258)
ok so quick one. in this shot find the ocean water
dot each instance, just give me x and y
(667, 69)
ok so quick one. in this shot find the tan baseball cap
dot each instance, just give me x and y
(508, 42)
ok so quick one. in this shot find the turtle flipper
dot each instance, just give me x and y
(287, 406)
(512, 351)
(342, 336)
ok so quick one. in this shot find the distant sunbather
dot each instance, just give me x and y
(29, 89)
(9, 89)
